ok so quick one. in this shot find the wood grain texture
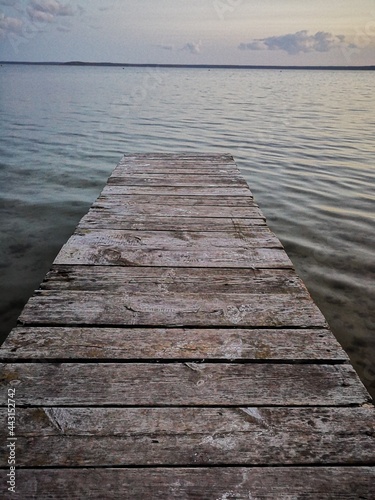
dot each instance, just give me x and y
(184, 201)
(198, 190)
(178, 180)
(152, 223)
(186, 384)
(193, 436)
(52, 307)
(177, 248)
(168, 280)
(124, 208)
(88, 241)
(176, 167)
(181, 156)
(53, 343)
(194, 240)
(222, 483)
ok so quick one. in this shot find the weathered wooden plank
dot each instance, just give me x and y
(183, 384)
(54, 307)
(161, 280)
(193, 436)
(184, 168)
(184, 156)
(242, 483)
(53, 343)
(104, 208)
(178, 248)
(152, 223)
(243, 238)
(167, 190)
(184, 201)
(190, 161)
(176, 169)
(112, 255)
(260, 237)
(180, 180)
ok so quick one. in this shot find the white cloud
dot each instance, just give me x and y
(9, 25)
(302, 41)
(193, 47)
(45, 11)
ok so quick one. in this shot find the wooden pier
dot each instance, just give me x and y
(173, 353)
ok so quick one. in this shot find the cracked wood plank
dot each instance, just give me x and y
(152, 223)
(197, 190)
(186, 384)
(79, 437)
(222, 483)
(124, 208)
(53, 307)
(176, 248)
(183, 156)
(176, 167)
(260, 237)
(178, 180)
(59, 343)
(186, 201)
(167, 280)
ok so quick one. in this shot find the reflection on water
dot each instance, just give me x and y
(303, 139)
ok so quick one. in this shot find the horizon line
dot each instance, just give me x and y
(197, 66)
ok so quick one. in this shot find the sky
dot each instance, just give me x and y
(266, 32)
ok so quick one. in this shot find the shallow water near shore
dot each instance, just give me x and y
(303, 140)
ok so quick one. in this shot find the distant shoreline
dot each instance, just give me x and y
(190, 66)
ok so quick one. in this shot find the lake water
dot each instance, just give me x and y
(304, 141)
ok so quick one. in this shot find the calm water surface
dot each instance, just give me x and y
(303, 139)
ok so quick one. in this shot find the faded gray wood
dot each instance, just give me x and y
(175, 167)
(53, 307)
(152, 223)
(167, 190)
(193, 436)
(186, 201)
(202, 158)
(186, 384)
(194, 240)
(260, 237)
(167, 160)
(178, 180)
(123, 208)
(242, 483)
(123, 170)
(115, 255)
(162, 280)
(54, 343)
(180, 249)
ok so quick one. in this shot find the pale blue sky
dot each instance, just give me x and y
(287, 32)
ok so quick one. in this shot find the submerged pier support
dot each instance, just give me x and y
(173, 352)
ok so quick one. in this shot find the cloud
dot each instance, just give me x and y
(45, 11)
(8, 3)
(10, 25)
(193, 47)
(302, 41)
